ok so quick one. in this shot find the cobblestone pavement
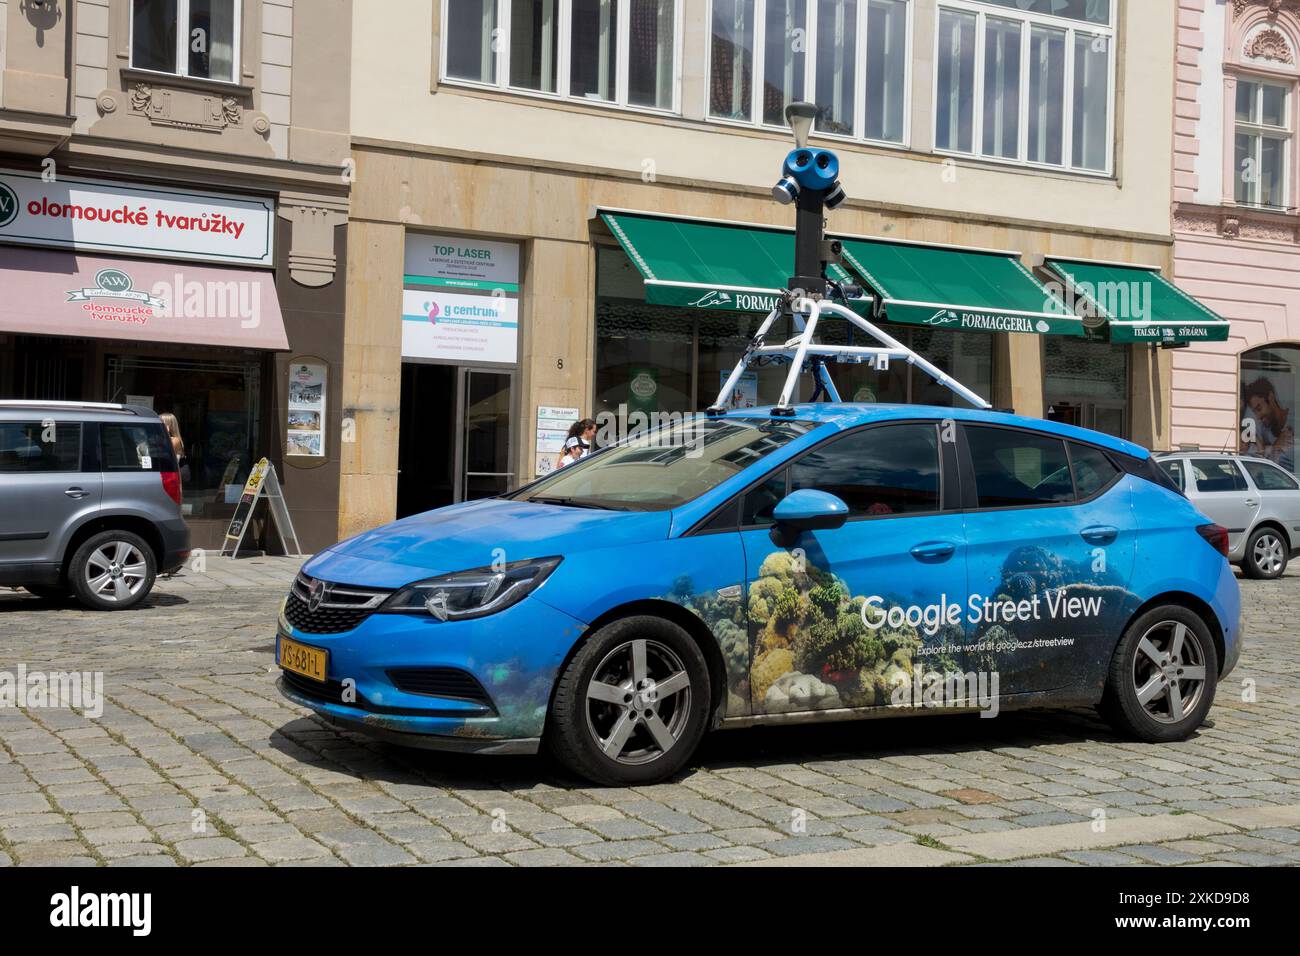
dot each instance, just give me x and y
(197, 759)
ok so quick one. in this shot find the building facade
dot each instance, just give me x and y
(1237, 244)
(174, 180)
(514, 160)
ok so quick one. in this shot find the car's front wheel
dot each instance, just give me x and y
(1162, 677)
(112, 571)
(1266, 554)
(632, 704)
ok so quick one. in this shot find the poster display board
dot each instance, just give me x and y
(553, 423)
(305, 423)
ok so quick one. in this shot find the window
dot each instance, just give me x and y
(1270, 399)
(37, 446)
(616, 52)
(1093, 471)
(1017, 469)
(1263, 143)
(1270, 477)
(888, 470)
(760, 502)
(195, 38)
(665, 467)
(1029, 82)
(1174, 469)
(143, 447)
(851, 54)
(1217, 474)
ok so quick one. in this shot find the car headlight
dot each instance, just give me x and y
(474, 593)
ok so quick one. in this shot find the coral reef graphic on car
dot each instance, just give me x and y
(815, 645)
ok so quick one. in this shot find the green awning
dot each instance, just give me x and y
(956, 288)
(720, 266)
(1137, 303)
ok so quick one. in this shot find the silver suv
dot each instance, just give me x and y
(89, 502)
(1253, 498)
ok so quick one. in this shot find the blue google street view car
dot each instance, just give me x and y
(825, 562)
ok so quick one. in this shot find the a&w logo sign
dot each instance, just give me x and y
(113, 284)
(8, 205)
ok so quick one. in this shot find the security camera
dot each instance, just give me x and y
(835, 195)
(786, 191)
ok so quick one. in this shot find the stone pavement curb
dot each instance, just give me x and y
(1050, 840)
(891, 854)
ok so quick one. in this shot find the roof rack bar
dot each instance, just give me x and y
(29, 402)
(806, 313)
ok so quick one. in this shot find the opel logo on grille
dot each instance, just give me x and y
(318, 592)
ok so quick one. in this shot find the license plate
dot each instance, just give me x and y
(301, 659)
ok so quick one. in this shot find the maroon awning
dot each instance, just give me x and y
(43, 292)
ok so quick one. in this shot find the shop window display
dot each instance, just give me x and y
(216, 404)
(1268, 403)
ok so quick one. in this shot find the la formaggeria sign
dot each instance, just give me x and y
(90, 215)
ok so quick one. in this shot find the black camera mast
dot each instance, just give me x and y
(809, 179)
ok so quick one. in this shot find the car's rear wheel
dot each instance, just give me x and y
(633, 703)
(1163, 676)
(112, 571)
(1266, 554)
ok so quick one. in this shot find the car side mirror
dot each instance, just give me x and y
(806, 510)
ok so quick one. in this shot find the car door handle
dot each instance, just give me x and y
(934, 551)
(1251, 502)
(1099, 534)
(75, 492)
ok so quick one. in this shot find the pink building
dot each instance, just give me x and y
(1236, 224)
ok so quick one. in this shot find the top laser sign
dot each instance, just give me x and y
(98, 216)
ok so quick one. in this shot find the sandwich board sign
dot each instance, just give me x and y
(262, 483)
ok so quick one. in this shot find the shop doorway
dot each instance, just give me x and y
(1106, 417)
(454, 440)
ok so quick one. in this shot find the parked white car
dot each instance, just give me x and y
(1258, 502)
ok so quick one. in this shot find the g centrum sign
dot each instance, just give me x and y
(99, 215)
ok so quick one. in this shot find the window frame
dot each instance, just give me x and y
(1028, 20)
(970, 496)
(950, 481)
(182, 45)
(563, 51)
(1231, 463)
(38, 424)
(1265, 466)
(861, 39)
(1258, 132)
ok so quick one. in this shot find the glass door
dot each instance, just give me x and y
(483, 433)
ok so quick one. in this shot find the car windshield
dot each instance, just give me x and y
(666, 467)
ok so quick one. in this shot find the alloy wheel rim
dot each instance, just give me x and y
(116, 571)
(1268, 554)
(638, 702)
(1169, 671)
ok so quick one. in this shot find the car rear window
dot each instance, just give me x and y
(1217, 474)
(1018, 468)
(1270, 477)
(40, 446)
(1093, 471)
(139, 446)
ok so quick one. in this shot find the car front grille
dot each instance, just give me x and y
(340, 607)
(440, 682)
